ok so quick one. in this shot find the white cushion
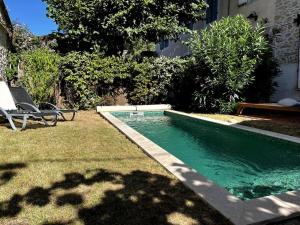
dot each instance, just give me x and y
(6, 99)
(288, 102)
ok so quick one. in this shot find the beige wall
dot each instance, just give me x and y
(263, 8)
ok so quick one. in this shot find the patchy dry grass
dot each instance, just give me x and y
(285, 124)
(86, 172)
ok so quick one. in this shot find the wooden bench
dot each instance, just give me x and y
(266, 106)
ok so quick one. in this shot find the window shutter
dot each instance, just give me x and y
(212, 11)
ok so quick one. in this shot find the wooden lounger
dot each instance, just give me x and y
(266, 106)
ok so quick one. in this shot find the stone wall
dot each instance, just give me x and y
(3, 50)
(287, 38)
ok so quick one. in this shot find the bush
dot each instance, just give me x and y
(88, 77)
(264, 85)
(151, 79)
(11, 70)
(231, 49)
(41, 74)
(185, 84)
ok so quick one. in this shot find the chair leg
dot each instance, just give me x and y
(11, 122)
(24, 124)
(63, 116)
(53, 121)
(240, 110)
(13, 126)
(73, 117)
(44, 121)
(65, 119)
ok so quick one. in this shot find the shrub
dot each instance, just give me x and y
(151, 79)
(11, 69)
(41, 73)
(264, 85)
(185, 84)
(231, 49)
(88, 77)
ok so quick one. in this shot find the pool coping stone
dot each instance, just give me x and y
(257, 211)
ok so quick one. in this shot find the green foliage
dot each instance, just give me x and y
(264, 85)
(11, 70)
(41, 73)
(185, 84)
(152, 79)
(231, 49)
(112, 26)
(142, 48)
(88, 77)
(24, 40)
(231, 61)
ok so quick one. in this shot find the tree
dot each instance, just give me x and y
(113, 26)
(23, 39)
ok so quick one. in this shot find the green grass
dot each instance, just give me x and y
(285, 124)
(86, 172)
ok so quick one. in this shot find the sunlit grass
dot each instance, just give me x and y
(86, 172)
(285, 124)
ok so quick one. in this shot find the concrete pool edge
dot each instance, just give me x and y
(241, 127)
(256, 211)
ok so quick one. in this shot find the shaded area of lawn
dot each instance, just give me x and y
(86, 172)
(281, 123)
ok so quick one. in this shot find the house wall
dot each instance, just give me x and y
(279, 16)
(286, 48)
(4, 45)
(263, 8)
(177, 48)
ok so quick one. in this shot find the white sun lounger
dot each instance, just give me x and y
(9, 110)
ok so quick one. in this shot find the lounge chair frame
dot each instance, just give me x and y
(25, 115)
(58, 110)
(10, 116)
(25, 102)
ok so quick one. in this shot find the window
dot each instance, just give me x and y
(164, 44)
(242, 2)
(212, 11)
(190, 25)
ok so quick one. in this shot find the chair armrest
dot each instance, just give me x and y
(25, 106)
(47, 105)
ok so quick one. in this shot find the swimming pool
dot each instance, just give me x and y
(247, 164)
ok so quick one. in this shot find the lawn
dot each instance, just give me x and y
(86, 172)
(282, 123)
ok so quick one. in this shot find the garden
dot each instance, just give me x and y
(85, 171)
(97, 59)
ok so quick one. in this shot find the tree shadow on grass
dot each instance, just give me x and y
(8, 171)
(143, 198)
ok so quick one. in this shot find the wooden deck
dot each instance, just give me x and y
(266, 106)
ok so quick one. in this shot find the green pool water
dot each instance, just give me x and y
(247, 164)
